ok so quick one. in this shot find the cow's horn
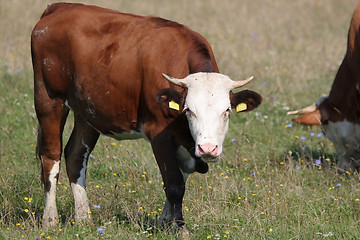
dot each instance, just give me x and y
(241, 83)
(308, 109)
(176, 81)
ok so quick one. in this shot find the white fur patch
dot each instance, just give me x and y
(82, 209)
(50, 210)
(66, 103)
(49, 63)
(345, 136)
(40, 32)
(207, 102)
(82, 178)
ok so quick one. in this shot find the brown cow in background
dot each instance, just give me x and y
(339, 113)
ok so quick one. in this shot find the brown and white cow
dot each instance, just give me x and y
(339, 113)
(107, 67)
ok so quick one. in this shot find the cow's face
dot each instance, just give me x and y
(207, 106)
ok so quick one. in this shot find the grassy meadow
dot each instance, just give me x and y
(275, 180)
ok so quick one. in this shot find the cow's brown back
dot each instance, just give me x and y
(93, 56)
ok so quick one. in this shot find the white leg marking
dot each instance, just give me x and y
(82, 179)
(82, 209)
(50, 211)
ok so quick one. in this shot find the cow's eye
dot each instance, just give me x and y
(189, 112)
(227, 112)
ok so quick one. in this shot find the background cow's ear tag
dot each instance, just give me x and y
(241, 107)
(174, 105)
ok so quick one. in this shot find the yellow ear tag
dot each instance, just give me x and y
(174, 105)
(241, 107)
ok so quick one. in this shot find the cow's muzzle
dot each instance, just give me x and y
(208, 152)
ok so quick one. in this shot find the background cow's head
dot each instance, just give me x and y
(340, 127)
(312, 115)
(207, 106)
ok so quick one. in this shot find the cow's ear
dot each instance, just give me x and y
(245, 101)
(170, 98)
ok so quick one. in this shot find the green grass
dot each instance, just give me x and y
(267, 185)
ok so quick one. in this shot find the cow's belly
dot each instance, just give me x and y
(109, 124)
(127, 135)
(345, 136)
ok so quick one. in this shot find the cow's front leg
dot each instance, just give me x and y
(167, 214)
(174, 190)
(172, 213)
(165, 152)
(174, 194)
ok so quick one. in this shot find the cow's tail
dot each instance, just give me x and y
(37, 150)
(38, 143)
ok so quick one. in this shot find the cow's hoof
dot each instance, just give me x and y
(85, 220)
(49, 222)
(183, 233)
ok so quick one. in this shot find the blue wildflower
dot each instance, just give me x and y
(234, 139)
(320, 135)
(100, 230)
(312, 134)
(303, 138)
(97, 206)
(338, 184)
(317, 161)
(254, 36)
(289, 125)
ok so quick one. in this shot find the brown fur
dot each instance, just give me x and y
(107, 66)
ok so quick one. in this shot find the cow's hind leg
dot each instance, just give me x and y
(77, 152)
(52, 116)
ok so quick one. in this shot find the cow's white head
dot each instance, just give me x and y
(208, 104)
